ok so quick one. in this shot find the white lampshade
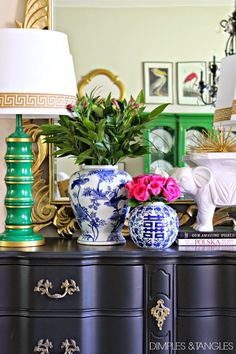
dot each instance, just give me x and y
(226, 91)
(37, 75)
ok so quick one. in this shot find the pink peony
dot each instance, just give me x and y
(130, 187)
(171, 191)
(140, 192)
(155, 188)
(143, 179)
(158, 179)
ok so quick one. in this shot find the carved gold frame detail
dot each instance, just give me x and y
(96, 72)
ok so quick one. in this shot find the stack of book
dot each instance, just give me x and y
(219, 237)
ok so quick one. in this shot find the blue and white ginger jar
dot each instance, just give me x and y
(99, 201)
(153, 225)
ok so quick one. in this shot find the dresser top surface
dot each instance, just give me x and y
(58, 248)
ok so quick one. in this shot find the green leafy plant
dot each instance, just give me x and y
(101, 131)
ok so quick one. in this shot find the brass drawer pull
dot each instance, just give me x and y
(43, 346)
(160, 313)
(70, 346)
(44, 286)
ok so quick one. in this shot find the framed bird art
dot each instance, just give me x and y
(188, 76)
(158, 82)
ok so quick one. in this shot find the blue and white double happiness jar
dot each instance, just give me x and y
(99, 201)
(153, 225)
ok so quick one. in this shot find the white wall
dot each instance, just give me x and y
(120, 39)
(9, 12)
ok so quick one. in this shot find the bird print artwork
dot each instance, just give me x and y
(190, 85)
(158, 82)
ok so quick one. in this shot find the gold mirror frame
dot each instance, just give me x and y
(45, 212)
(96, 72)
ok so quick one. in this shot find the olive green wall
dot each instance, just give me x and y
(120, 39)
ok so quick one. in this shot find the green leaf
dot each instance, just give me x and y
(84, 140)
(89, 124)
(100, 146)
(158, 110)
(140, 98)
(133, 202)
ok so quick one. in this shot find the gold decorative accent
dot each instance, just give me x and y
(22, 244)
(37, 15)
(65, 221)
(36, 100)
(19, 206)
(218, 140)
(222, 114)
(160, 313)
(44, 286)
(21, 199)
(43, 346)
(70, 346)
(92, 74)
(187, 215)
(13, 161)
(19, 227)
(11, 182)
(19, 140)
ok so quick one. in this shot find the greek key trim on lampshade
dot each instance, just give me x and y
(37, 100)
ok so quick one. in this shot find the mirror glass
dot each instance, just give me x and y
(121, 36)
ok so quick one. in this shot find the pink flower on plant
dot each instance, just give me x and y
(171, 191)
(115, 104)
(70, 107)
(140, 192)
(133, 104)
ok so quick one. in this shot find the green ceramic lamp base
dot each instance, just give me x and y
(19, 202)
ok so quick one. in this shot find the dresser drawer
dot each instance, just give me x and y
(206, 286)
(98, 287)
(206, 334)
(92, 335)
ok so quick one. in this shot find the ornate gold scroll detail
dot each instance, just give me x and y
(222, 114)
(69, 287)
(37, 15)
(70, 346)
(160, 313)
(43, 346)
(44, 212)
(36, 100)
(65, 221)
(96, 72)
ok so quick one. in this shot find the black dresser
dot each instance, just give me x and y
(63, 298)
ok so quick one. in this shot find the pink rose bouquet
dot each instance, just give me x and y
(150, 188)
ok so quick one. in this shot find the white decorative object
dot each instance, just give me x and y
(210, 179)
